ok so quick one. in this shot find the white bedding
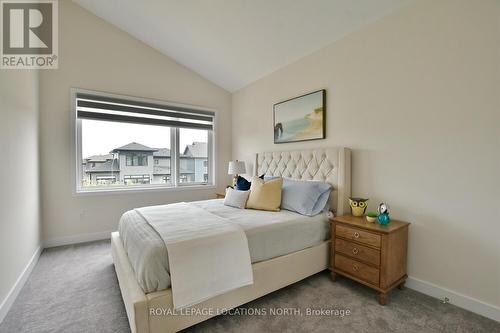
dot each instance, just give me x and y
(269, 235)
(208, 255)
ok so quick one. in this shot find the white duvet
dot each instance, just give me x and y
(208, 255)
(269, 235)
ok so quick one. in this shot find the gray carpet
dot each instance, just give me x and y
(74, 289)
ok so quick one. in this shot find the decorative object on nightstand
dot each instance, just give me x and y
(358, 206)
(369, 253)
(383, 214)
(371, 217)
(236, 168)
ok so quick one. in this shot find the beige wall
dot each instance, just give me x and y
(95, 55)
(416, 95)
(19, 181)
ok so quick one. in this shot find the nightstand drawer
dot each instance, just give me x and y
(357, 269)
(358, 235)
(357, 251)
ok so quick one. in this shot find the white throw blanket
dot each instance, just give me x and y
(207, 254)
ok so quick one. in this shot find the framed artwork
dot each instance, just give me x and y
(300, 118)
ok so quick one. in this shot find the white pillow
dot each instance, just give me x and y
(306, 197)
(236, 198)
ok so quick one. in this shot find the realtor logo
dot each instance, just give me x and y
(29, 34)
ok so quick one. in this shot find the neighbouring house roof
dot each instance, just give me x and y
(108, 166)
(162, 152)
(134, 146)
(99, 158)
(197, 149)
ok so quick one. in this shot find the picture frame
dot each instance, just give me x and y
(302, 118)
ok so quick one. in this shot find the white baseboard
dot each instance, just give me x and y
(75, 239)
(465, 302)
(16, 288)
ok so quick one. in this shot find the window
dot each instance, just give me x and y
(194, 155)
(105, 180)
(127, 143)
(136, 159)
(136, 179)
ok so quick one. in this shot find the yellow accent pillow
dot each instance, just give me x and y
(265, 195)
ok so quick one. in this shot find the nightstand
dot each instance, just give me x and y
(220, 195)
(369, 253)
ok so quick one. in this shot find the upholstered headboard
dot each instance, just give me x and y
(332, 165)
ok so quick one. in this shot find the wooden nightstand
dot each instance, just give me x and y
(369, 253)
(220, 195)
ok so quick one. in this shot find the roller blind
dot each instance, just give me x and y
(97, 107)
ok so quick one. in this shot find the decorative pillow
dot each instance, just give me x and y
(265, 195)
(305, 197)
(235, 198)
(244, 185)
(323, 203)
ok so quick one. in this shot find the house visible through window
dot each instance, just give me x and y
(126, 143)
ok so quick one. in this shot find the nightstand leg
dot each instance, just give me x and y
(401, 286)
(333, 275)
(382, 299)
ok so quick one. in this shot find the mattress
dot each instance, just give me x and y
(269, 235)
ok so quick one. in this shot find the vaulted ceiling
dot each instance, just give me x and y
(236, 42)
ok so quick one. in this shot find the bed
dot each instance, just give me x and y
(284, 247)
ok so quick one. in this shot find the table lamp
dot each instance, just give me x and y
(236, 168)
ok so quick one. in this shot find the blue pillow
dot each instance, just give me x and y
(244, 185)
(304, 196)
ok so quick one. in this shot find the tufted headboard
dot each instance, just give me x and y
(332, 165)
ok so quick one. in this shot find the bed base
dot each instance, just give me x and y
(269, 275)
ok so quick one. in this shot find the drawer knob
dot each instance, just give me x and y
(356, 234)
(355, 250)
(355, 268)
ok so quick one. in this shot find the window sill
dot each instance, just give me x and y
(118, 191)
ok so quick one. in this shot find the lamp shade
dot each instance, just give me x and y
(236, 168)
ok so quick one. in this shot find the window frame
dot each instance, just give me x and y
(176, 185)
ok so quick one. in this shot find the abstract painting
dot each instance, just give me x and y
(301, 118)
